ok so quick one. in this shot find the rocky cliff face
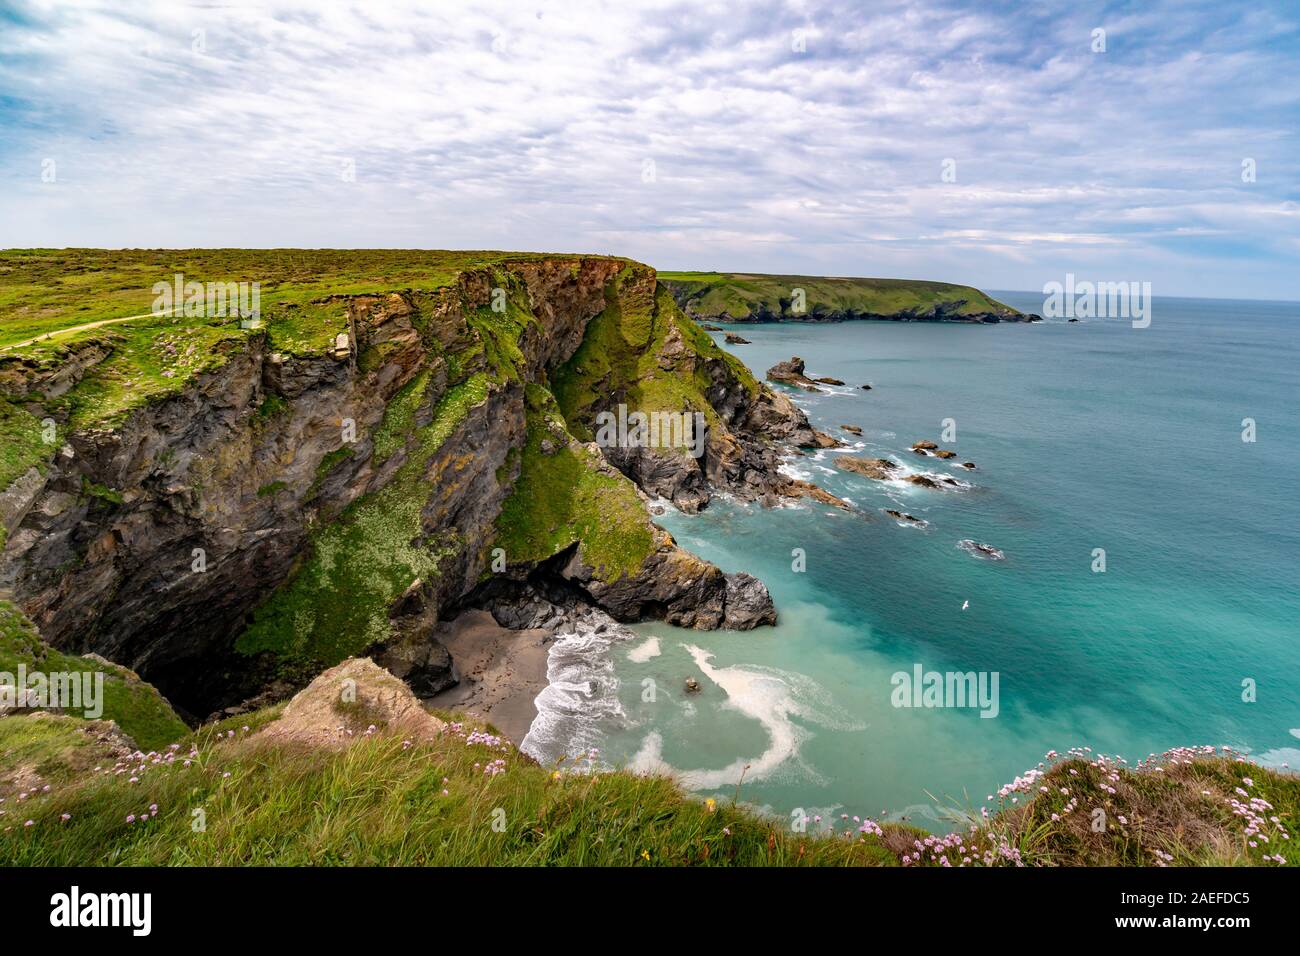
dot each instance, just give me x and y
(281, 510)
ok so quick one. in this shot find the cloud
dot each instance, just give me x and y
(791, 137)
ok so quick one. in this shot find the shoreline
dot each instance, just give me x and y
(499, 671)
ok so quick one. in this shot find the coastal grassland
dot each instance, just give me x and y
(378, 802)
(148, 362)
(383, 801)
(1191, 807)
(303, 303)
(44, 290)
(563, 497)
(136, 706)
(737, 296)
(336, 601)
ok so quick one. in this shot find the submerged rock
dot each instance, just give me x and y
(881, 469)
(978, 550)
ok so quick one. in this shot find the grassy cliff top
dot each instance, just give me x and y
(139, 710)
(385, 801)
(739, 295)
(48, 290)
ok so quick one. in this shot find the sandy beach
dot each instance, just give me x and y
(501, 671)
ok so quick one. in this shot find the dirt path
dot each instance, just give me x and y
(79, 328)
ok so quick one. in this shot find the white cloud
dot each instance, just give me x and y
(530, 126)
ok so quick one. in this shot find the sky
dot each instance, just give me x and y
(996, 144)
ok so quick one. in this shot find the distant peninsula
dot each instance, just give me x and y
(754, 297)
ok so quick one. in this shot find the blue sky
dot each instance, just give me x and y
(768, 136)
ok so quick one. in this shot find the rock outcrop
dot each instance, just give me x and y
(792, 373)
(288, 503)
(353, 699)
(880, 469)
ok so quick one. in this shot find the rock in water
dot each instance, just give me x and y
(748, 603)
(881, 469)
(734, 339)
(692, 685)
(791, 373)
(978, 550)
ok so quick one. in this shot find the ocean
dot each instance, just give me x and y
(1086, 436)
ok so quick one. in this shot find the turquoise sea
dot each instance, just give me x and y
(1087, 435)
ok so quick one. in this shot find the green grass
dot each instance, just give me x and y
(337, 600)
(737, 296)
(137, 707)
(44, 290)
(618, 360)
(399, 418)
(23, 447)
(561, 498)
(378, 803)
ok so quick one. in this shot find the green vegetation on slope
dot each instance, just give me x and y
(23, 447)
(562, 496)
(384, 801)
(739, 296)
(336, 602)
(620, 358)
(140, 711)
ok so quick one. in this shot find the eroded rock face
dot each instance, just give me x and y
(675, 586)
(741, 452)
(217, 489)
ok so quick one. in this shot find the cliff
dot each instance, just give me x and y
(227, 507)
(750, 297)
